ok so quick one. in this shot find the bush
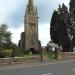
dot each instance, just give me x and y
(2, 54)
(16, 51)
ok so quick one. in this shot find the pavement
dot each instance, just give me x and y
(55, 67)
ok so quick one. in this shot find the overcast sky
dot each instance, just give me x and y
(12, 13)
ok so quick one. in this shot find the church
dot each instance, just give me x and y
(29, 38)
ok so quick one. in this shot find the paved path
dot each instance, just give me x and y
(56, 68)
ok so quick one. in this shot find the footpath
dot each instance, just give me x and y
(33, 64)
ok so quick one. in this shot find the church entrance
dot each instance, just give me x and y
(32, 50)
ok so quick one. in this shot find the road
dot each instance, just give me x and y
(56, 68)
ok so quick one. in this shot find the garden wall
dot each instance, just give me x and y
(66, 55)
(18, 60)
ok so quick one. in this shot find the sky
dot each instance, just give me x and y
(12, 13)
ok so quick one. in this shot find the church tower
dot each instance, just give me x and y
(31, 28)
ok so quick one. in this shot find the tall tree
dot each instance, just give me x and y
(59, 33)
(5, 36)
(53, 30)
(64, 19)
(72, 7)
(72, 19)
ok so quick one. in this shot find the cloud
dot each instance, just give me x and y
(43, 33)
(12, 13)
(10, 10)
(16, 32)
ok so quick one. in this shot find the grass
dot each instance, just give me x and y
(50, 55)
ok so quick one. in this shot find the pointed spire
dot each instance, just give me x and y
(30, 6)
(30, 2)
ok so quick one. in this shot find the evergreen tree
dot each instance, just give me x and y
(53, 30)
(72, 19)
(59, 32)
(64, 25)
(72, 7)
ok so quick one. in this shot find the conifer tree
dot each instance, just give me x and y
(72, 18)
(53, 30)
(59, 25)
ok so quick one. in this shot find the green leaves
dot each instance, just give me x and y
(59, 26)
(5, 36)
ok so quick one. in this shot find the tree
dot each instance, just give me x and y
(5, 39)
(72, 7)
(59, 33)
(16, 51)
(64, 26)
(54, 26)
(5, 36)
(7, 47)
(72, 19)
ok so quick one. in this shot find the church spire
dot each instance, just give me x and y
(30, 6)
(31, 28)
(30, 2)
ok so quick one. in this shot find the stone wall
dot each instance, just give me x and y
(18, 60)
(66, 55)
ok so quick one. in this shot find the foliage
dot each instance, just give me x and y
(72, 7)
(72, 19)
(7, 48)
(5, 36)
(53, 30)
(59, 26)
(63, 26)
(16, 51)
(7, 53)
(49, 54)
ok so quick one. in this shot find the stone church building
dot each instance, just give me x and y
(29, 38)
